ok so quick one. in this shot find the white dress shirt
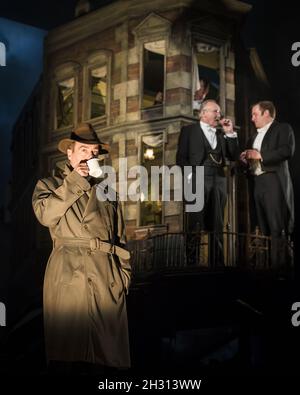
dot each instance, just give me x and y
(261, 132)
(210, 134)
(260, 136)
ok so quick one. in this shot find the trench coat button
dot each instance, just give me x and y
(89, 252)
(112, 284)
(89, 280)
(79, 192)
(85, 227)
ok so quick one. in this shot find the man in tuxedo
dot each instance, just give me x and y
(270, 184)
(203, 144)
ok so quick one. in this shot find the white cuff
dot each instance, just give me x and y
(231, 135)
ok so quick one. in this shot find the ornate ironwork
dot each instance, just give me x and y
(210, 251)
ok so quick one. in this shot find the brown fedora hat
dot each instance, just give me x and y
(83, 133)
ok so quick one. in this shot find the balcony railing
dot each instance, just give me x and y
(211, 251)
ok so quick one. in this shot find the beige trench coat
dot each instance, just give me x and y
(85, 314)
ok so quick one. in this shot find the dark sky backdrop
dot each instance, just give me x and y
(24, 48)
(271, 27)
(23, 25)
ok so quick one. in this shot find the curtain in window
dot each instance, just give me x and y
(153, 140)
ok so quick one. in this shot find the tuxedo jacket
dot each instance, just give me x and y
(277, 148)
(192, 149)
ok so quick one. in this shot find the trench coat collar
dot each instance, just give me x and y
(65, 168)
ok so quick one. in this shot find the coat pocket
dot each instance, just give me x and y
(71, 263)
(115, 281)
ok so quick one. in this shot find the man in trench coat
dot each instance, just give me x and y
(88, 272)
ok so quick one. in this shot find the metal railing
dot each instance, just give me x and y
(211, 251)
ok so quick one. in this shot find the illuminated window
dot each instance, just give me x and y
(65, 103)
(154, 73)
(98, 91)
(152, 155)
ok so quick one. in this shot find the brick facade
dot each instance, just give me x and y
(122, 41)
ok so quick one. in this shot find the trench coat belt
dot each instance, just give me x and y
(93, 244)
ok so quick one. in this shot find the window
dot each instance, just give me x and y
(206, 79)
(96, 87)
(98, 92)
(152, 155)
(65, 103)
(154, 73)
(64, 96)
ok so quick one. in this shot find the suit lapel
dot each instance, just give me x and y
(268, 136)
(221, 139)
(251, 141)
(199, 132)
(197, 142)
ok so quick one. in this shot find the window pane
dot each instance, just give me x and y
(154, 66)
(207, 76)
(65, 103)
(98, 86)
(152, 155)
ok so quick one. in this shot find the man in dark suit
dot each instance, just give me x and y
(203, 144)
(271, 189)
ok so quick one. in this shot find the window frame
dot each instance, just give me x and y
(97, 59)
(153, 28)
(223, 48)
(142, 48)
(62, 73)
(140, 153)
